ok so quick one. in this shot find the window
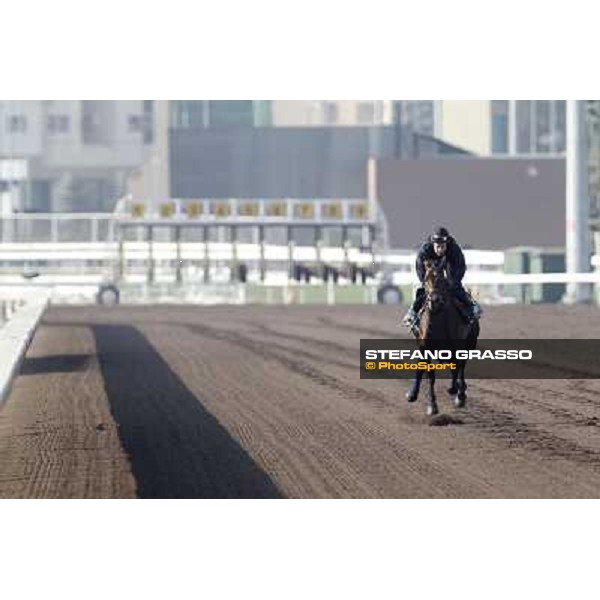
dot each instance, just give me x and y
(148, 121)
(524, 126)
(543, 135)
(57, 123)
(365, 113)
(134, 123)
(499, 126)
(38, 196)
(187, 113)
(330, 113)
(559, 125)
(540, 126)
(262, 113)
(97, 121)
(418, 115)
(16, 123)
(231, 112)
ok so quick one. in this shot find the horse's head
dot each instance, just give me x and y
(435, 284)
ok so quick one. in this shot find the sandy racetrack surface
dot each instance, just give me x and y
(266, 402)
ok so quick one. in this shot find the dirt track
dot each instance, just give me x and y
(267, 402)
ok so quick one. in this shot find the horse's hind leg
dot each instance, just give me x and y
(413, 392)
(460, 400)
(453, 389)
(432, 407)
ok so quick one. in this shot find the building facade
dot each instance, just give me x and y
(235, 119)
(504, 127)
(215, 113)
(336, 113)
(77, 154)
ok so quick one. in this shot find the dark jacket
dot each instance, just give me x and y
(455, 261)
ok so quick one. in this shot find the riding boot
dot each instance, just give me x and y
(476, 311)
(411, 320)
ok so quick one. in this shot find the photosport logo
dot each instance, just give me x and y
(491, 359)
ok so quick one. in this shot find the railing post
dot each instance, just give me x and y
(206, 263)
(178, 274)
(151, 274)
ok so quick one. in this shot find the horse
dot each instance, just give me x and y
(443, 326)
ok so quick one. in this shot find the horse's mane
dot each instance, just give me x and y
(435, 284)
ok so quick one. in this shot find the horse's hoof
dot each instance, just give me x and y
(453, 390)
(432, 409)
(460, 402)
(411, 396)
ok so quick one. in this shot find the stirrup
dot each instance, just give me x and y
(411, 321)
(410, 317)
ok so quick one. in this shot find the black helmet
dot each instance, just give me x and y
(440, 235)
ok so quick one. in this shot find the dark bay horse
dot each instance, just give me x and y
(443, 326)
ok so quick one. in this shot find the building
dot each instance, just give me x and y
(336, 113)
(420, 116)
(287, 162)
(503, 127)
(77, 154)
(236, 148)
(320, 149)
(494, 204)
(416, 115)
(214, 113)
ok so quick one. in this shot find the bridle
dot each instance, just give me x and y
(436, 287)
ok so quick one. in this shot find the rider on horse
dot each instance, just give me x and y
(442, 248)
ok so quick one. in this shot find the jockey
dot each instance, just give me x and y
(441, 244)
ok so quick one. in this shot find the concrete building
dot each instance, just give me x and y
(495, 204)
(338, 113)
(411, 122)
(297, 152)
(287, 162)
(503, 127)
(215, 113)
(280, 113)
(77, 154)
(151, 179)
(466, 124)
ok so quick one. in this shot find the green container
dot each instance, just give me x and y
(524, 259)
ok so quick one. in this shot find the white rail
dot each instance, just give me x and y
(64, 263)
(15, 337)
(78, 251)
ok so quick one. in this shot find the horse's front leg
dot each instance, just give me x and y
(453, 389)
(460, 400)
(432, 407)
(413, 392)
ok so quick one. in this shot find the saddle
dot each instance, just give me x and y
(465, 310)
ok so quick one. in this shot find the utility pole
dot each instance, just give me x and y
(397, 129)
(577, 200)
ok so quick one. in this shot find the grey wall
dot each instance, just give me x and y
(485, 203)
(284, 162)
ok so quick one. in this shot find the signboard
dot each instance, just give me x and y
(331, 210)
(221, 209)
(304, 210)
(276, 209)
(13, 170)
(138, 210)
(248, 209)
(193, 209)
(359, 212)
(166, 210)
